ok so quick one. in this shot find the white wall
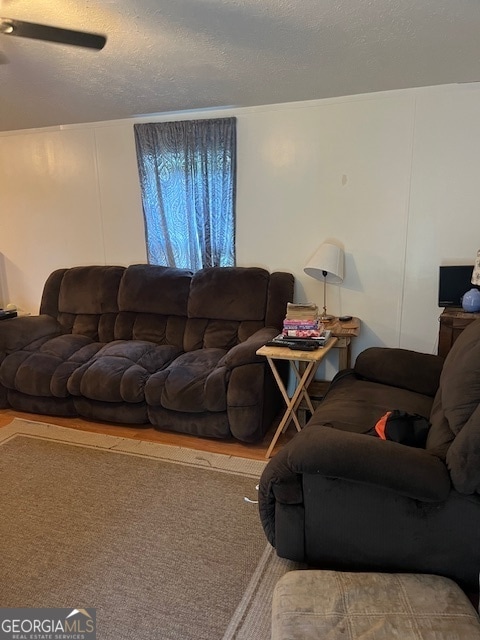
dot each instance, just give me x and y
(392, 176)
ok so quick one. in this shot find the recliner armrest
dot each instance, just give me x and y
(17, 333)
(334, 453)
(419, 372)
(354, 457)
(246, 352)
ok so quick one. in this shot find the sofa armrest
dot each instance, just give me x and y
(359, 458)
(17, 333)
(253, 398)
(419, 372)
(278, 482)
(246, 352)
(408, 471)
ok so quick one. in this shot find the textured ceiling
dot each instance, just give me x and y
(175, 55)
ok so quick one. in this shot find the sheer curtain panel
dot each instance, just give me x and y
(187, 175)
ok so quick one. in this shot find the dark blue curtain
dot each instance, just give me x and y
(187, 175)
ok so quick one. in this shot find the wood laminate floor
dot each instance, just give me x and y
(228, 447)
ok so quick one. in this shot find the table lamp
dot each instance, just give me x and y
(326, 264)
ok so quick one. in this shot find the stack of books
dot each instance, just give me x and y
(302, 321)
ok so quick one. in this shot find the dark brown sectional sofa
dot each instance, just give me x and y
(146, 344)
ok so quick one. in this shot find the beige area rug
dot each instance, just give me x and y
(158, 539)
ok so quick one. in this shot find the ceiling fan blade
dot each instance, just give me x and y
(51, 34)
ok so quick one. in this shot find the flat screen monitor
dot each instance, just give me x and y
(453, 282)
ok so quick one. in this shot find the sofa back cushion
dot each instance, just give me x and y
(228, 304)
(84, 300)
(402, 368)
(280, 292)
(51, 290)
(455, 414)
(217, 307)
(152, 302)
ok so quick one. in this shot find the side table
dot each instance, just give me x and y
(304, 365)
(452, 322)
(344, 331)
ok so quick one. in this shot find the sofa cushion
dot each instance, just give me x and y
(226, 306)
(51, 290)
(87, 301)
(61, 375)
(230, 293)
(119, 371)
(40, 371)
(147, 288)
(152, 303)
(192, 383)
(168, 330)
(457, 410)
(419, 372)
(356, 405)
(459, 387)
(90, 290)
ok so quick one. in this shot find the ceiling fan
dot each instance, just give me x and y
(36, 31)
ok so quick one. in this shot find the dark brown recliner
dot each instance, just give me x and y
(77, 317)
(336, 497)
(219, 380)
(148, 334)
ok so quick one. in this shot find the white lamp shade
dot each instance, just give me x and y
(328, 258)
(476, 270)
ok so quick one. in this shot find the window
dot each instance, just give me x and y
(187, 175)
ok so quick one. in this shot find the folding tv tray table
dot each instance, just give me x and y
(304, 365)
